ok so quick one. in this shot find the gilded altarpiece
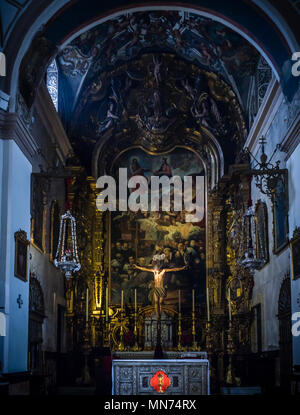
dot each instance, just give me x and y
(109, 244)
(222, 234)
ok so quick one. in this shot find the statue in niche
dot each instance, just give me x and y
(205, 112)
(155, 68)
(113, 108)
(109, 120)
(156, 116)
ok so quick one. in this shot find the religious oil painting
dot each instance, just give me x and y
(261, 232)
(21, 255)
(295, 254)
(137, 238)
(280, 214)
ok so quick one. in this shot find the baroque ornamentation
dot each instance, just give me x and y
(156, 107)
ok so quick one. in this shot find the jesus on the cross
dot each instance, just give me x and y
(159, 291)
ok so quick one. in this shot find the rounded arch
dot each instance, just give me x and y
(284, 300)
(210, 154)
(285, 332)
(198, 10)
(36, 296)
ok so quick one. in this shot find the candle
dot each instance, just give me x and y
(193, 292)
(122, 300)
(87, 305)
(207, 300)
(135, 300)
(179, 301)
(229, 304)
(106, 304)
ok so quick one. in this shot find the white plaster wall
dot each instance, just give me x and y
(294, 218)
(293, 164)
(15, 215)
(50, 278)
(268, 280)
(52, 283)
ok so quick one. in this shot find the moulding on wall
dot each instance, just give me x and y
(266, 113)
(13, 128)
(46, 111)
(291, 138)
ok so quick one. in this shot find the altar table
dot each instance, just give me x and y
(178, 376)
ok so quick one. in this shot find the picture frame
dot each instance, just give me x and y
(295, 254)
(261, 232)
(40, 187)
(21, 255)
(280, 215)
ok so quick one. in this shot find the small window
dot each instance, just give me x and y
(52, 82)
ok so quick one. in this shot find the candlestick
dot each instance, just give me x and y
(193, 296)
(207, 301)
(179, 301)
(121, 344)
(135, 331)
(87, 306)
(194, 345)
(179, 346)
(106, 304)
(229, 304)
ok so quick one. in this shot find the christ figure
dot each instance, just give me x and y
(159, 291)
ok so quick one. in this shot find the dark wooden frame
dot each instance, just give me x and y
(262, 207)
(21, 242)
(295, 254)
(278, 248)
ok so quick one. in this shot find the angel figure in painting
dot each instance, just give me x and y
(158, 290)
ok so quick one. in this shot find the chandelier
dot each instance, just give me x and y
(267, 174)
(249, 259)
(66, 257)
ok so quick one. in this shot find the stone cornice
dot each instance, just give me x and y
(48, 116)
(266, 114)
(13, 128)
(291, 138)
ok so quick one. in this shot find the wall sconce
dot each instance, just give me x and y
(267, 174)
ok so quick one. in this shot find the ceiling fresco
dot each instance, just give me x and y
(155, 73)
(200, 40)
(155, 101)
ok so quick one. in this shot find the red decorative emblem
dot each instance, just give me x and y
(160, 381)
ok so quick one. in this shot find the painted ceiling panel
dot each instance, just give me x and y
(197, 39)
(156, 74)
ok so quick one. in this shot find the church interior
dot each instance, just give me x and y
(101, 298)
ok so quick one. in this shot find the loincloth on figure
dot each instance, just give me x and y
(160, 292)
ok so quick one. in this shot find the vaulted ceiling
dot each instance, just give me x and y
(154, 69)
(197, 39)
(157, 70)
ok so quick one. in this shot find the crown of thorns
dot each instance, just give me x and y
(158, 257)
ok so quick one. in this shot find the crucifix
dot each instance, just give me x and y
(19, 301)
(159, 293)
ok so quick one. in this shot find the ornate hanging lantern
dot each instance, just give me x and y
(249, 259)
(66, 257)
